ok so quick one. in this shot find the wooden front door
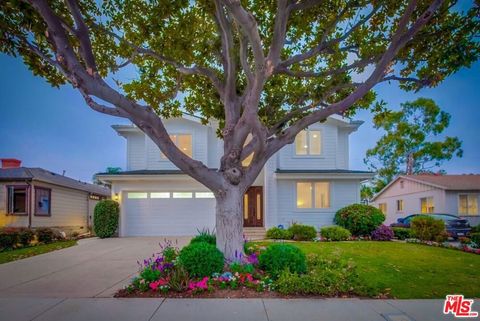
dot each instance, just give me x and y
(253, 207)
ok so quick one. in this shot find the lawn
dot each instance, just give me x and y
(407, 271)
(22, 253)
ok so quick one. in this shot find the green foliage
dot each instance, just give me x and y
(277, 233)
(359, 219)
(301, 232)
(328, 277)
(105, 218)
(241, 268)
(335, 233)
(201, 259)
(279, 257)
(475, 229)
(8, 238)
(169, 254)
(402, 233)
(45, 235)
(475, 238)
(427, 228)
(205, 236)
(150, 274)
(409, 133)
(25, 236)
(178, 279)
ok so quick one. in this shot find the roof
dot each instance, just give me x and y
(42, 175)
(463, 182)
(320, 171)
(144, 172)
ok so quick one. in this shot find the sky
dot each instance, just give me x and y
(54, 129)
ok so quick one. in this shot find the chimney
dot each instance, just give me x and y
(10, 162)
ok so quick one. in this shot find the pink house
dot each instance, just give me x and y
(414, 194)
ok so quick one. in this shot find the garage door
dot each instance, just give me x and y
(167, 213)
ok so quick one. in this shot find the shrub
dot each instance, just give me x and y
(427, 228)
(179, 279)
(335, 233)
(382, 233)
(8, 238)
(359, 219)
(301, 232)
(475, 237)
(105, 218)
(279, 257)
(201, 259)
(475, 229)
(25, 236)
(45, 235)
(277, 233)
(205, 236)
(402, 233)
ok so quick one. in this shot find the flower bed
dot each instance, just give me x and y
(469, 248)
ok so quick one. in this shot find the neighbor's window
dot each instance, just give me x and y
(182, 194)
(426, 205)
(308, 142)
(399, 205)
(313, 195)
(383, 207)
(43, 198)
(136, 195)
(468, 204)
(204, 195)
(17, 200)
(183, 142)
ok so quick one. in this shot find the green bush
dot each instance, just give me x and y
(105, 218)
(402, 233)
(475, 229)
(359, 219)
(45, 235)
(201, 259)
(25, 236)
(335, 233)
(178, 279)
(8, 238)
(205, 236)
(279, 257)
(427, 228)
(475, 238)
(329, 277)
(277, 233)
(301, 232)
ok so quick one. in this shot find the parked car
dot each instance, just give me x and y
(455, 226)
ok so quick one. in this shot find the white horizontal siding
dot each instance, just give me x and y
(136, 151)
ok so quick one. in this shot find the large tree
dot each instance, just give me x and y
(263, 69)
(411, 144)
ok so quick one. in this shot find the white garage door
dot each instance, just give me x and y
(167, 213)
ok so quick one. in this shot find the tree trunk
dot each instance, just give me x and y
(229, 223)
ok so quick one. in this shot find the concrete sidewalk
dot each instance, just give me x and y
(92, 309)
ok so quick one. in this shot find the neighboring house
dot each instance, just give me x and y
(306, 182)
(412, 194)
(35, 197)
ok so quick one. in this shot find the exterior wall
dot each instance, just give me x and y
(342, 193)
(411, 193)
(136, 151)
(452, 202)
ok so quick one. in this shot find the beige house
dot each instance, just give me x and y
(447, 194)
(35, 197)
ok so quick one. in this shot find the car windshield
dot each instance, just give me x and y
(445, 217)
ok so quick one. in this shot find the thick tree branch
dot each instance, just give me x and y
(279, 33)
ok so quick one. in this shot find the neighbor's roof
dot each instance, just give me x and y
(42, 175)
(321, 171)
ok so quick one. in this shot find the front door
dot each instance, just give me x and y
(253, 207)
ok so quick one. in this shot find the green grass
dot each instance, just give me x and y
(22, 253)
(407, 271)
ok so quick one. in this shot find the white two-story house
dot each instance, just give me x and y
(305, 182)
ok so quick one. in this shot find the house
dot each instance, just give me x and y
(35, 197)
(412, 194)
(306, 182)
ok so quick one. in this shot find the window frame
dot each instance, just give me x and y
(308, 155)
(426, 200)
(458, 204)
(313, 198)
(400, 201)
(175, 142)
(49, 190)
(27, 200)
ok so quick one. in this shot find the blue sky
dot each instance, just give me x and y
(54, 129)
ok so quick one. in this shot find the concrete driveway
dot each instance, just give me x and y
(93, 268)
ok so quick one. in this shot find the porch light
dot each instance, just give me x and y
(115, 197)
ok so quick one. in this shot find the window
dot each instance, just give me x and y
(383, 207)
(402, 184)
(204, 195)
(136, 195)
(182, 194)
(308, 142)
(249, 158)
(468, 204)
(160, 195)
(313, 195)
(17, 203)
(43, 197)
(426, 205)
(183, 142)
(399, 205)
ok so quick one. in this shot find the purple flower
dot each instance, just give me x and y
(252, 259)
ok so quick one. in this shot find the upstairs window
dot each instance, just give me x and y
(183, 142)
(17, 200)
(426, 205)
(308, 142)
(468, 204)
(43, 197)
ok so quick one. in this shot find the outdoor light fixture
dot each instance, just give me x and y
(115, 197)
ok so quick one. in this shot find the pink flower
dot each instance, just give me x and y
(199, 285)
(154, 285)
